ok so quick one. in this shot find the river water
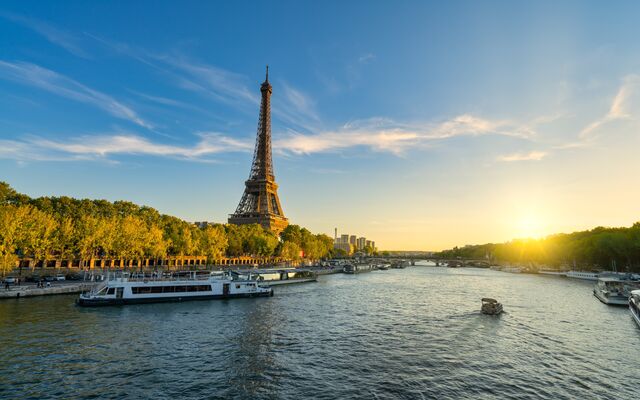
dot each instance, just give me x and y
(414, 333)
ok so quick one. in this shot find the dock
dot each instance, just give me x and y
(56, 288)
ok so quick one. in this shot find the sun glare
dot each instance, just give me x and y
(530, 225)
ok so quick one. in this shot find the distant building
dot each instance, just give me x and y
(373, 245)
(344, 239)
(361, 243)
(367, 243)
(347, 247)
(352, 240)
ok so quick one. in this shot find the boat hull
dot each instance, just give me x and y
(635, 316)
(611, 301)
(85, 302)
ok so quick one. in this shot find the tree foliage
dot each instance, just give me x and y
(63, 227)
(597, 248)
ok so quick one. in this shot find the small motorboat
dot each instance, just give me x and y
(491, 306)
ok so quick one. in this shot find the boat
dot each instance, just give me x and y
(126, 289)
(513, 270)
(586, 275)
(615, 291)
(490, 306)
(552, 272)
(357, 268)
(383, 267)
(274, 277)
(634, 306)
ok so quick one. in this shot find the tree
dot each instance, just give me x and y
(290, 251)
(213, 241)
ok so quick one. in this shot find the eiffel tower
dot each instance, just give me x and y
(260, 203)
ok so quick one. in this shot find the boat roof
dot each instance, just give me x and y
(616, 279)
(489, 300)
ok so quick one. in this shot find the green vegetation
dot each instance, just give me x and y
(66, 228)
(593, 249)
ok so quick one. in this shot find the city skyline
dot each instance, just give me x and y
(506, 121)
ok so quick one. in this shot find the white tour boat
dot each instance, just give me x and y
(586, 275)
(357, 268)
(125, 289)
(634, 305)
(615, 291)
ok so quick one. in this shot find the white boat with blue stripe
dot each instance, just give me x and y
(125, 289)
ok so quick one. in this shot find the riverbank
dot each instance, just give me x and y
(31, 290)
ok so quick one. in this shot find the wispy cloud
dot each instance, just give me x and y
(530, 156)
(49, 32)
(366, 58)
(45, 79)
(381, 134)
(100, 147)
(223, 85)
(620, 106)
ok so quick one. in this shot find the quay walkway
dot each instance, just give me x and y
(31, 290)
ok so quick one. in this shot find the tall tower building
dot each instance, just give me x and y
(260, 203)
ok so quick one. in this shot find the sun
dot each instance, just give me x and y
(530, 225)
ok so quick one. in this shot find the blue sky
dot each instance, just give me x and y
(420, 125)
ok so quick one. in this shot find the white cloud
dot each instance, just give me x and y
(223, 85)
(531, 156)
(365, 58)
(102, 146)
(52, 34)
(381, 134)
(620, 106)
(45, 79)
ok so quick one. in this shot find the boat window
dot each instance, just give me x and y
(237, 286)
(111, 291)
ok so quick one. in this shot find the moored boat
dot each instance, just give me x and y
(513, 270)
(634, 306)
(124, 289)
(585, 275)
(552, 272)
(615, 291)
(274, 277)
(357, 268)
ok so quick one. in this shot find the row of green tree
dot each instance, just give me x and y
(66, 228)
(599, 248)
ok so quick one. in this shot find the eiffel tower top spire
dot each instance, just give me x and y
(262, 166)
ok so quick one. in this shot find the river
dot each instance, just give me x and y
(414, 333)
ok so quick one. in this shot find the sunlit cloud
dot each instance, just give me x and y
(45, 79)
(530, 156)
(386, 135)
(620, 108)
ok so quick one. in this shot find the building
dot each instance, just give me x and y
(353, 240)
(361, 243)
(260, 203)
(347, 247)
(344, 239)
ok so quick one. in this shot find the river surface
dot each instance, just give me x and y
(414, 333)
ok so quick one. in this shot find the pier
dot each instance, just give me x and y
(31, 290)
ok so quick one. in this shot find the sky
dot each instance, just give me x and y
(420, 125)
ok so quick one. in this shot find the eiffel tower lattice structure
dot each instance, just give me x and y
(260, 203)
